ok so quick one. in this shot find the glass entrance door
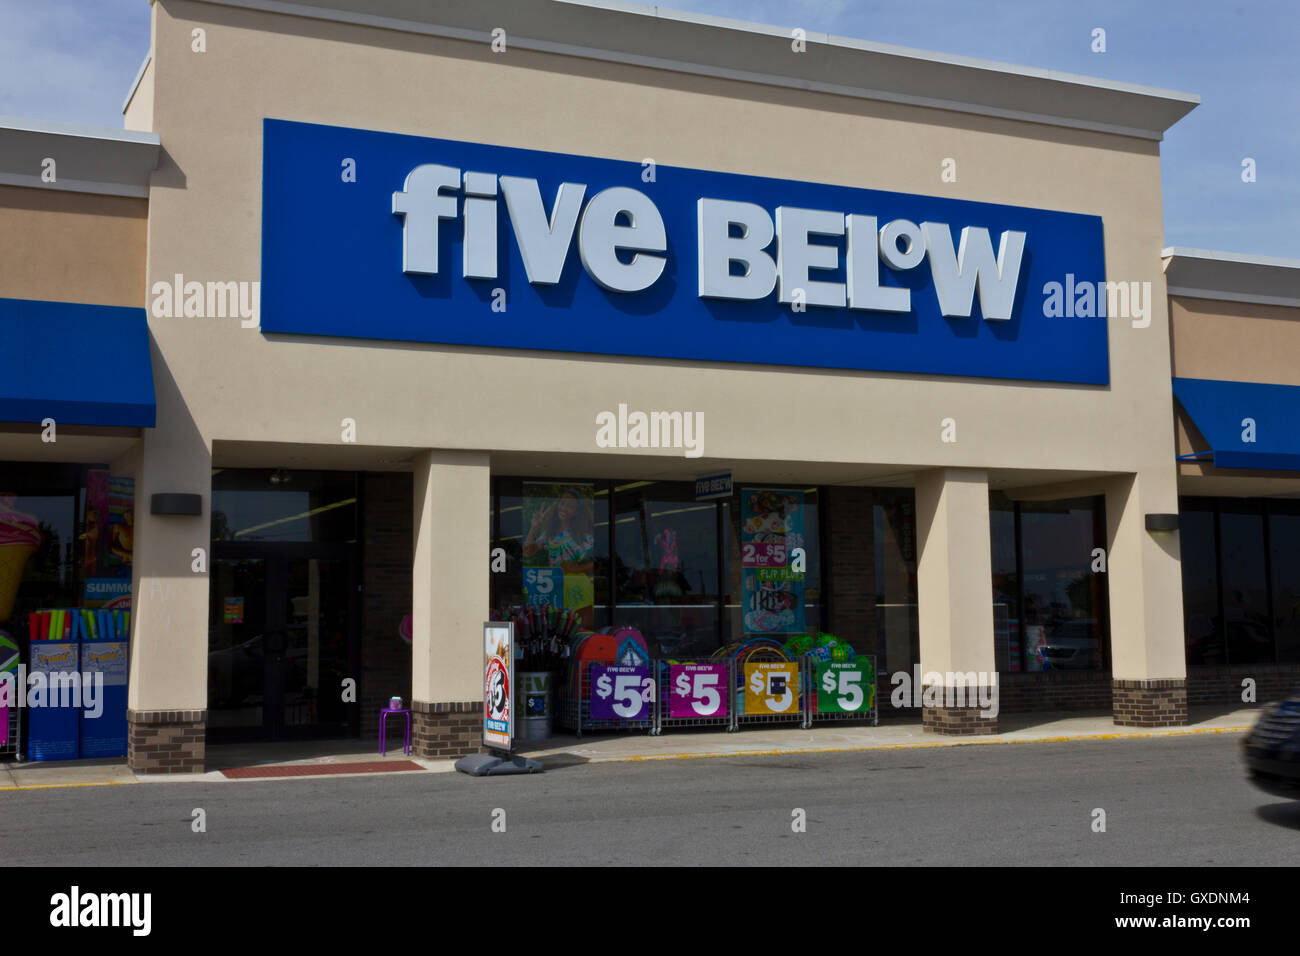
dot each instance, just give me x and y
(316, 654)
(282, 641)
(236, 644)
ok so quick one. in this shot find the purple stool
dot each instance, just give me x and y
(383, 730)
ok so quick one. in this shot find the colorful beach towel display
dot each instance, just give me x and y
(79, 624)
(90, 641)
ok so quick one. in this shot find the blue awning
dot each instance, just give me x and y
(76, 364)
(1224, 412)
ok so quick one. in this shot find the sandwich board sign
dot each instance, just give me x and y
(498, 681)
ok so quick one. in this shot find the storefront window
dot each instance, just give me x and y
(666, 565)
(40, 562)
(1064, 598)
(1284, 547)
(556, 538)
(894, 534)
(1199, 548)
(1241, 580)
(1245, 585)
(1049, 595)
(1007, 646)
(660, 564)
(250, 504)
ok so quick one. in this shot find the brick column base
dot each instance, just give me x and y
(447, 730)
(966, 720)
(1149, 703)
(166, 741)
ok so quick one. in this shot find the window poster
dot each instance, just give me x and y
(121, 526)
(771, 527)
(560, 545)
(109, 539)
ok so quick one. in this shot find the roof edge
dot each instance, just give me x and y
(889, 49)
(1183, 252)
(1231, 277)
(716, 46)
(51, 128)
(82, 159)
(135, 84)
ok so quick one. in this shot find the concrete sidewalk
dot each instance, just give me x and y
(890, 735)
(563, 751)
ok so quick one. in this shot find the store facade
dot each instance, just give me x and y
(79, 398)
(1233, 322)
(431, 306)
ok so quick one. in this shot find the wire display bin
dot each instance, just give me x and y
(840, 690)
(11, 714)
(694, 694)
(11, 744)
(768, 686)
(756, 682)
(606, 695)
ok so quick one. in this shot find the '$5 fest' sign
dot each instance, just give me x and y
(620, 692)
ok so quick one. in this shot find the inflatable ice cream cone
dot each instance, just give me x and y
(19, 539)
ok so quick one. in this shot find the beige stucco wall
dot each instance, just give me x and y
(1234, 341)
(1144, 586)
(238, 385)
(954, 566)
(444, 481)
(72, 247)
(139, 111)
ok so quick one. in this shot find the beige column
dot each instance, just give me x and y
(1144, 576)
(955, 597)
(168, 695)
(450, 600)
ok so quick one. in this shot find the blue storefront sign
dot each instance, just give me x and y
(710, 487)
(384, 236)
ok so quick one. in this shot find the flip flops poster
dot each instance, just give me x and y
(771, 527)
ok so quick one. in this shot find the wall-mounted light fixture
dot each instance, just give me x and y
(280, 477)
(175, 503)
(1159, 522)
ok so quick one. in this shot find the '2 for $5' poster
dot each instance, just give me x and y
(771, 527)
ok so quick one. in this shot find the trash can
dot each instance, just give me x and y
(535, 709)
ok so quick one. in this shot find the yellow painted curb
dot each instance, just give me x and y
(65, 786)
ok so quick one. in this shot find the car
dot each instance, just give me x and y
(1072, 646)
(1272, 749)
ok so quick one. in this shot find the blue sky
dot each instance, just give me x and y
(73, 61)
